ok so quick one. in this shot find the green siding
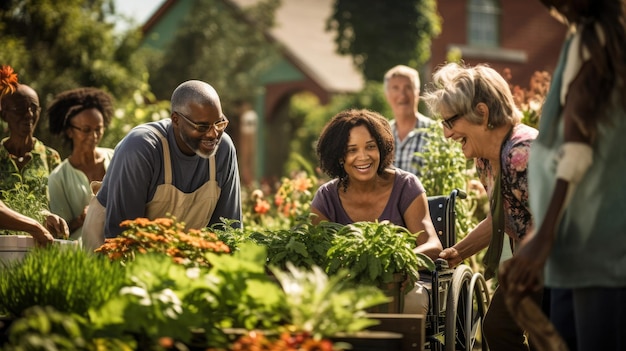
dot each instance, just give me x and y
(164, 30)
(282, 71)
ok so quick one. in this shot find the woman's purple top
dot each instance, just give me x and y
(406, 187)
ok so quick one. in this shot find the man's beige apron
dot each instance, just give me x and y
(195, 209)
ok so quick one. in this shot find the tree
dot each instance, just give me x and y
(381, 34)
(222, 45)
(56, 45)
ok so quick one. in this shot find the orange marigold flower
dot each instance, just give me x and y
(166, 222)
(8, 80)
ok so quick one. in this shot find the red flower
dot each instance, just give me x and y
(8, 80)
(261, 206)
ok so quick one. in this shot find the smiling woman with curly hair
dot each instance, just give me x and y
(356, 148)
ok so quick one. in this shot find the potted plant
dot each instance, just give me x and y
(14, 244)
(304, 245)
(380, 254)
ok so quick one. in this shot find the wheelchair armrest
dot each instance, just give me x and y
(441, 264)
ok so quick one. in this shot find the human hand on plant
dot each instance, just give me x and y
(56, 226)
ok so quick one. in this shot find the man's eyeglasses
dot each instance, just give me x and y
(449, 122)
(88, 130)
(203, 128)
(22, 110)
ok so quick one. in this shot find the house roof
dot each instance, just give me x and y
(300, 29)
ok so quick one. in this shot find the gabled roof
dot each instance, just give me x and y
(300, 30)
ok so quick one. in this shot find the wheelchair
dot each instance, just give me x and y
(458, 297)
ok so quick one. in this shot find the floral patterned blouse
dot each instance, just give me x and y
(34, 173)
(514, 182)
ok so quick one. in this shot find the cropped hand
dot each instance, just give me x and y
(41, 235)
(57, 226)
(452, 256)
(522, 274)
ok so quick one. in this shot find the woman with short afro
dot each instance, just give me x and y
(80, 116)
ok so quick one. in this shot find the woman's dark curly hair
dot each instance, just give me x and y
(332, 143)
(69, 103)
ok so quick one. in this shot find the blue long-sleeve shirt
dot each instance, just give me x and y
(137, 169)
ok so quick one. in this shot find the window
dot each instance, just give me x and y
(483, 19)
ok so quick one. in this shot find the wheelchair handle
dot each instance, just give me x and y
(458, 193)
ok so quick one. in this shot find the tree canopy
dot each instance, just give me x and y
(382, 34)
(55, 45)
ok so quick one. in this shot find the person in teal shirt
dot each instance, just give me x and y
(576, 183)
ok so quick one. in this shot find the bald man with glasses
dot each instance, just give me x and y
(185, 165)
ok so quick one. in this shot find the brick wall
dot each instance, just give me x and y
(527, 31)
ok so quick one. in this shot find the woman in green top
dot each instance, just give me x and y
(80, 116)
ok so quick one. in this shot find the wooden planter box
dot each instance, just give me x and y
(396, 332)
(15, 247)
(394, 291)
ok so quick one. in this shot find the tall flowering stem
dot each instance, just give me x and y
(530, 100)
(291, 201)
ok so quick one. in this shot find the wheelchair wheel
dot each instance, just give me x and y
(466, 306)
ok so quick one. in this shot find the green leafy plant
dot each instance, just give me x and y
(67, 278)
(373, 252)
(44, 325)
(25, 201)
(304, 245)
(445, 169)
(149, 305)
(152, 302)
(325, 306)
(162, 299)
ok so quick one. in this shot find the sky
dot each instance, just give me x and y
(139, 10)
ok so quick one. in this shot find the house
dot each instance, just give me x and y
(309, 63)
(519, 35)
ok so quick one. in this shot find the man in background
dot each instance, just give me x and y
(409, 127)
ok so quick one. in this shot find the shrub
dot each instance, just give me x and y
(166, 236)
(68, 279)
